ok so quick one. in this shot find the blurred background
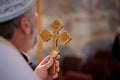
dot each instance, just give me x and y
(93, 26)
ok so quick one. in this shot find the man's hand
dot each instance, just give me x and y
(42, 69)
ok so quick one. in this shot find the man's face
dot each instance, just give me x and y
(34, 24)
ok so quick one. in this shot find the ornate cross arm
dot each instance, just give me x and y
(63, 37)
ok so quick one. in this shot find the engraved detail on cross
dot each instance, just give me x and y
(64, 37)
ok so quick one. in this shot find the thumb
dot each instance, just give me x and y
(48, 64)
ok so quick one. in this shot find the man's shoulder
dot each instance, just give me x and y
(5, 48)
(7, 51)
(13, 66)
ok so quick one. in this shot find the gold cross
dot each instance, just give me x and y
(64, 37)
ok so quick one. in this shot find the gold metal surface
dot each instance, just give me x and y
(56, 25)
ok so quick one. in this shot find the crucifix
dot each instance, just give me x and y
(64, 38)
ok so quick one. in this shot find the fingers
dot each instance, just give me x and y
(46, 63)
(57, 57)
(57, 66)
(43, 67)
(55, 76)
(45, 60)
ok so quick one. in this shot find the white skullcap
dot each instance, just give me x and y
(10, 9)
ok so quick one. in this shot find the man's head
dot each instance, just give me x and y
(21, 28)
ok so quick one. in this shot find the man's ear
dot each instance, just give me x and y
(25, 26)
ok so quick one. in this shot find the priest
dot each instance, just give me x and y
(18, 34)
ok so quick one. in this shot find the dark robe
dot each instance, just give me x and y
(27, 60)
